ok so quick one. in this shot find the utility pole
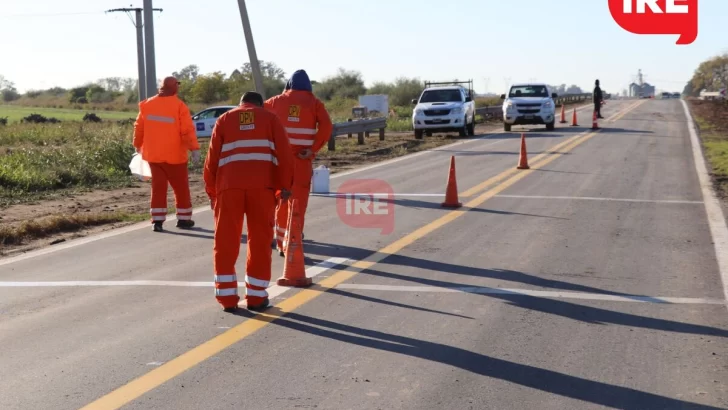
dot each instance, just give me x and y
(254, 63)
(138, 24)
(149, 48)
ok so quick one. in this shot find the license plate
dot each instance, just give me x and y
(437, 121)
(529, 117)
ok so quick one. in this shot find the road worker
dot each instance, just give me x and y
(163, 133)
(300, 112)
(598, 99)
(248, 161)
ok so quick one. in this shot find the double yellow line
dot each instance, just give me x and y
(155, 378)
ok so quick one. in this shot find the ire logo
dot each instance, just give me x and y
(658, 17)
(366, 203)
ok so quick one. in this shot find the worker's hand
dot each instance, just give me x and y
(138, 150)
(212, 203)
(305, 153)
(285, 194)
(196, 156)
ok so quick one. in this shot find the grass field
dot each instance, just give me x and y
(15, 113)
(712, 119)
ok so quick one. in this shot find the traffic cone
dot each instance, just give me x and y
(523, 160)
(573, 121)
(563, 114)
(595, 125)
(451, 193)
(294, 266)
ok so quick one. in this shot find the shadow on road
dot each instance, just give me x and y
(540, 379)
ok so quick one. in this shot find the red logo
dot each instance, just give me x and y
(658, 17)
(366, 203)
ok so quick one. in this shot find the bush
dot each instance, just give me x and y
(91, 117)
(39, 119)
(3, 120)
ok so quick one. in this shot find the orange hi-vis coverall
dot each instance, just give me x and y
(164, 132)
(248, 160)
(300, 112)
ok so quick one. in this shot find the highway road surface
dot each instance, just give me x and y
(592, 280)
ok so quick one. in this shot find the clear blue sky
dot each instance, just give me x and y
(561, 41)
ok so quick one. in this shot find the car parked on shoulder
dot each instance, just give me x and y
(205, 120)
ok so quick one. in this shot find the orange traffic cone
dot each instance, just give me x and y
(563, 114)
(451, 193)
(595, 125)
(294, 267)
(573, 121)
(523, 160)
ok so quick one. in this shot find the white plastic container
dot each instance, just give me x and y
(140, 168)
(320, 180)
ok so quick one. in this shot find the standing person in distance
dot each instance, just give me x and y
(248, 161)
(163, 133)
(598, 98)
(301, 113)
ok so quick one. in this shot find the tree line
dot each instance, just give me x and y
(711, 75)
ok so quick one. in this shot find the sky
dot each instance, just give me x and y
(49, 43)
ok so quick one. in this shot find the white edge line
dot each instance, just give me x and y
(535, 293)
(586, 198)
(716, 219)
(273, 291)
(131, 228)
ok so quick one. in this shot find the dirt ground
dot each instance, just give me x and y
(135, 200)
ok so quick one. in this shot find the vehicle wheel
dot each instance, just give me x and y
(471, 127)
(428, 133)
(419, 134)
(464, 129)
(506, 127)
(550, 126)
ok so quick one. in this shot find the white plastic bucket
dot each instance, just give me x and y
(320, 180)
(140, 168)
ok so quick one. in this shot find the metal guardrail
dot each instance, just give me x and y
(361, 127)
(496, 110)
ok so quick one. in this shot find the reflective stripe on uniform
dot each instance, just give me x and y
(258, 293)
(303, 131)
(184, 217)
(226, 278)
(158, 210)
(296, 141)
(248, 157)
(184, 211)
(281, 230)
(168, 120)
(256, 282)
(226, 292)
(247, 144)
(159, 218)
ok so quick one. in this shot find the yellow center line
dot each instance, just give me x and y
(155, 378)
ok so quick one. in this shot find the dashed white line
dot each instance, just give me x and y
(536, 293)
(716, 219)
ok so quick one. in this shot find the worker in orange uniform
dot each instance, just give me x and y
(300, 112)
(248, 161)
(163, 133)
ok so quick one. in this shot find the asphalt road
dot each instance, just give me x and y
(589, 281)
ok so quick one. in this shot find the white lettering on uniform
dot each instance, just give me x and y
(248, 127)
(294, 119)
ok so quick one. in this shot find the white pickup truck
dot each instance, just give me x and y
(529, 104)
(443, 109)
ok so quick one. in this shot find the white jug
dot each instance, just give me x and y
(320, 180)
(140, 168)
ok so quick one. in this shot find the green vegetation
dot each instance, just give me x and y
(14, 113)
(712, 119)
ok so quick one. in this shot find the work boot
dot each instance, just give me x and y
(230, 309)
(158, 227)
(260, 307)
(185, 224)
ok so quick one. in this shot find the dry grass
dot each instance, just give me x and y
(712, 119)
(56, 224)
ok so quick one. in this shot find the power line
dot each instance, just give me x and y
(51, 14)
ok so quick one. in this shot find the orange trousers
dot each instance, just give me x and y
(177, 176)
(303, 171)
(231, 207)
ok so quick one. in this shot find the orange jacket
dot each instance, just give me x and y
(248, 150)
(300, 112)
(164, 130)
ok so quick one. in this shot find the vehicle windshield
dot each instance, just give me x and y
(441, 96)
(529, 91)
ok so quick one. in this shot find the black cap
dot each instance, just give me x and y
(253, 98)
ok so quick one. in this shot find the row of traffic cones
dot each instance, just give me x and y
(574, 123)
